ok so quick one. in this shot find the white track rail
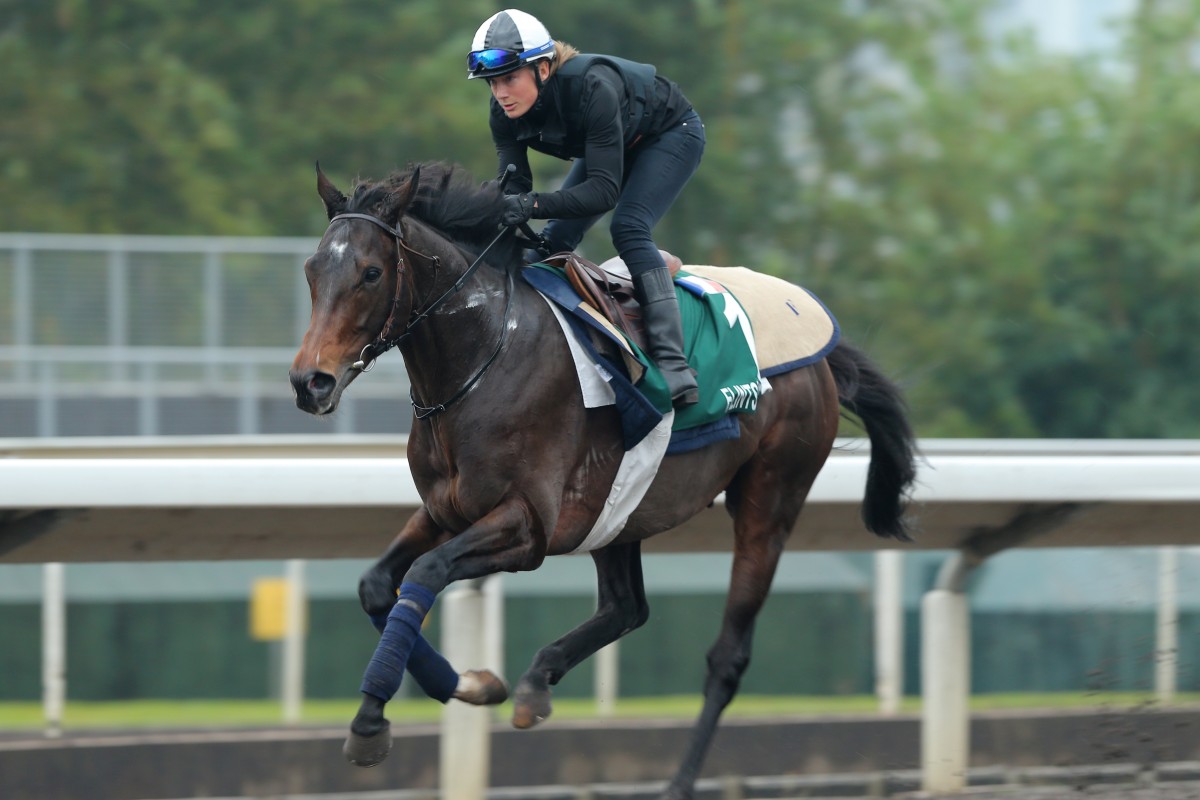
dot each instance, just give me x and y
(293, 498)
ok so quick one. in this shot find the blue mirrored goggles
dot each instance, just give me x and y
(493, 58)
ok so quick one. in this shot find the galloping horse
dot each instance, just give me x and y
(512, 467)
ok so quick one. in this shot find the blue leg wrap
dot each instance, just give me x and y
(429, 668)
(432, 671)
(382, 678)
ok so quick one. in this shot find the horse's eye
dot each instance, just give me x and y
(372, 275)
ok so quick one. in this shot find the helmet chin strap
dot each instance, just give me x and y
(537, 79)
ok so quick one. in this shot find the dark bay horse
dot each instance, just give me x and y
(512, 468)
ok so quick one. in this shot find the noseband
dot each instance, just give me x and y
(383, 342)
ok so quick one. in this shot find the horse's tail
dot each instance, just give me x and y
(865, 391)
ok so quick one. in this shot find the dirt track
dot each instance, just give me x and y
(1137, 756)
(1166, 791)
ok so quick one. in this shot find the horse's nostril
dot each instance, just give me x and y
(312, 387)
(320, 384)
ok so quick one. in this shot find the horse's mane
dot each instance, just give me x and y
(448, 199)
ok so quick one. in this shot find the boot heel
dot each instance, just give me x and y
(689, 397)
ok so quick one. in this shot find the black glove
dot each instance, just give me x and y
(518, 208)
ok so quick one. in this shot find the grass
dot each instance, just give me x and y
(80, 715)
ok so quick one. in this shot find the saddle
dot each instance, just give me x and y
(608, 289)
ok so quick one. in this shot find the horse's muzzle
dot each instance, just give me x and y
(314, 391)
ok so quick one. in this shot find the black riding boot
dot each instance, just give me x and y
(664, 334)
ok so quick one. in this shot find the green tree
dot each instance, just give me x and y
(206, 117)
(1017, 232)
(1012, 233)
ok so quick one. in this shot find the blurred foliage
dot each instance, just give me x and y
(1012, 233)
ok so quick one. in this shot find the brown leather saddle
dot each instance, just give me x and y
(610, 294)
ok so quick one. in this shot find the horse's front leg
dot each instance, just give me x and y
(510, 538)
(377, 586)
(621, 607)
(377, 594)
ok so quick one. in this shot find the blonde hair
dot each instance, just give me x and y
(562, 52)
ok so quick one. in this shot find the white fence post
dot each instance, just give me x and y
(465, 745)
(608, 678)
(945, 687)
(118, 304)
(295, 623)
(1166, 663)
(946, 680)
(22, 308)
(889, 630)
(54, 648)
(493, 625)
(213, 320)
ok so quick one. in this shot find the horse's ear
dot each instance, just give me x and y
(335, 201)
(401, 198)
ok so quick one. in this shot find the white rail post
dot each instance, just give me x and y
(47, 402)
(295, 624)
(465, 745)
(889, 630)
(608, 678)
(1166, 663)
(493, 625)
(22, 309)
(213, 321)
(945, 682)
(54, 648)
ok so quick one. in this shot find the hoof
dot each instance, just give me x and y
(481, 688)
(367, 751)
(531, 707)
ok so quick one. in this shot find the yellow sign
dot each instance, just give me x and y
(268, 609)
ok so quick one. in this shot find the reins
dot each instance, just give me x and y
(383, 342)
(421, 412)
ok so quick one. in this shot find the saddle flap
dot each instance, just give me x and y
(611, 295)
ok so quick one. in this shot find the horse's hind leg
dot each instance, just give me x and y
(765, 508)
(621, 608)
(759, 542)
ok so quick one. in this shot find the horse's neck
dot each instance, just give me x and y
(458, 335)
(438, 263)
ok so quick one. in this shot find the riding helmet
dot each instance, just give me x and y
(507, 41)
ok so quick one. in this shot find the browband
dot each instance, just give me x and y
(376, 220)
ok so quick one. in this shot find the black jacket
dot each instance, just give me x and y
(594, 107)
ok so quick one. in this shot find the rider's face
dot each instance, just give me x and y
(516, 91)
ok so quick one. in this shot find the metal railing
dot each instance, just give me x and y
(159, 325)
(151, 379)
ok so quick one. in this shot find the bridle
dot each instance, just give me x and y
(384, 342)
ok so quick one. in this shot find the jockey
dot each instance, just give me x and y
(635, 140)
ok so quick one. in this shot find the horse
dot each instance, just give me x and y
(512, 468)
